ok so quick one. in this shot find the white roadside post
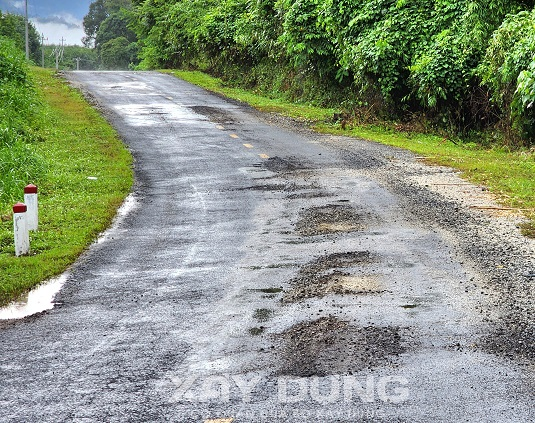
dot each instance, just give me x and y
(22, 236)
(30, 199)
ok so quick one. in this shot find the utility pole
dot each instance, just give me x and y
(26, 33)
(58, 51)
(77, 63)
(43, 49)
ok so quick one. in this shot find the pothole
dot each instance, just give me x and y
(330, 346)
(280, 165)
(262, 315)
(270, 290)
(273, 187)
(333, 218)
(257, 331)
(333, 283)
(308, 195)
(326, 275)
(339, 283)
(214, 114)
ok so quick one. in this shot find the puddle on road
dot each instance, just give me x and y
(42, 297)
(36, 301)
(129, 204)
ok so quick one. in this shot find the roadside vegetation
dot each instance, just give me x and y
(462, 67)
(51, 137)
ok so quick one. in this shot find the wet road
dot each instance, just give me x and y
(264, 274)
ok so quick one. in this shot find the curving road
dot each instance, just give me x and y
(267, 273)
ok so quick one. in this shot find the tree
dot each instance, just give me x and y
(13, 27)
(97, 14)
(114, 26)
(117, 53)
(99, 11)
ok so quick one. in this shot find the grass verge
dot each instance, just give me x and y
(77, 144)
(510, 174)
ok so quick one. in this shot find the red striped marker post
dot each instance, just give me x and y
(30, 199)
(22, 236)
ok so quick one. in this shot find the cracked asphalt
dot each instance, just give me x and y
(267, 273)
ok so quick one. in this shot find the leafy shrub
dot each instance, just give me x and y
(20, 109)
(508, 70)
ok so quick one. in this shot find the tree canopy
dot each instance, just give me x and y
(13, 27)
(106, 27)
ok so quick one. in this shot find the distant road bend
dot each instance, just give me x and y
(268, 273)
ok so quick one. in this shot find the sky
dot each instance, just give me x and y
(53, 18)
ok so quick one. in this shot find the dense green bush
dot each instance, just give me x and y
(439, 58)
(19, 115)
(508, 70)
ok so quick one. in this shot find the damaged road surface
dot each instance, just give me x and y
(267, 273)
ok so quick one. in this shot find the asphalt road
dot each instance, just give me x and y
(266, 273)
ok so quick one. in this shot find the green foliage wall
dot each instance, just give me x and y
(19, 116)
(465, 64)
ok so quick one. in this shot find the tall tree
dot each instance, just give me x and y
(13, 27)
(97, 14)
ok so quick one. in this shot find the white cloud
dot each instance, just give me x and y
(64, 26)
(18, 4)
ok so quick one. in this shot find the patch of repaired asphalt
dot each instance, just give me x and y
(330, 219)
(324, 276)
(330, 346)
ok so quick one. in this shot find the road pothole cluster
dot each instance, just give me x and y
(328, 274)
(330, 346)
(330, 219)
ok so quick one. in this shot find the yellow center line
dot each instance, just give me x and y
(234, 136)
(248, 145)
(263, 156)
(220, 127)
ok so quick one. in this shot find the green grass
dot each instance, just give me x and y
(77, 143)
(510, 174)
(262, 103)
